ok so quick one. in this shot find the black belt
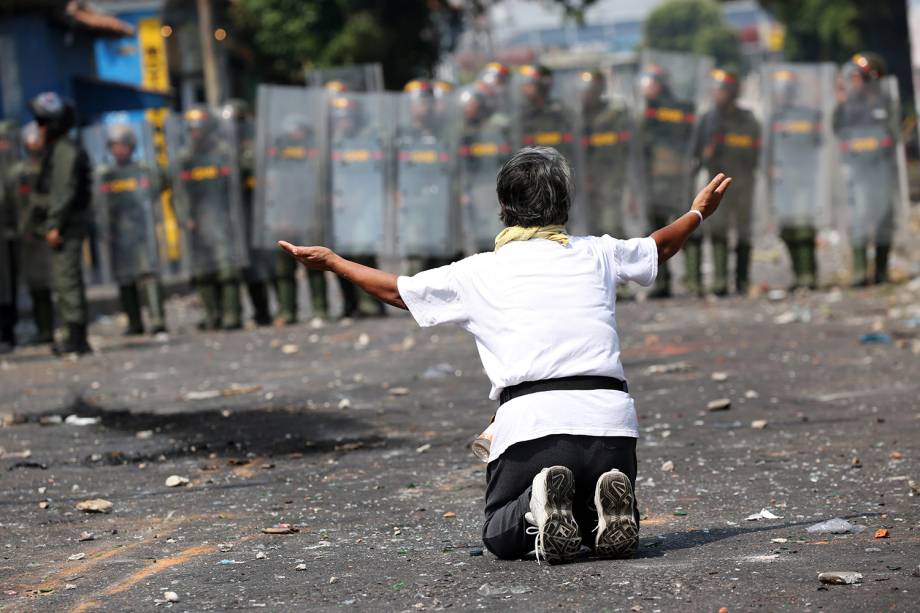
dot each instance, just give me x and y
(577, 382)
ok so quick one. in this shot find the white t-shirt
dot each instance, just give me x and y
(540, 310)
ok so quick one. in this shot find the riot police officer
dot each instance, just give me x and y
(206, 204)
(866, 124)
(258, 273)
(606, 135)
(542, 120)
(65, 184)
(496, 78)
(485, 145)
(129, 191)
(728, 140)
(8, 240)
(289, 158)
(794, 168)
(35, 260)
(665, 130)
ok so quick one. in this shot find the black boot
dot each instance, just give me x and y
(75, 343)
(881, 263)
(258, 296)
(43, 314)
(131, 305)
(742, 267)
(349, 298)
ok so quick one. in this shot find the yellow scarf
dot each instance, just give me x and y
(518, 233)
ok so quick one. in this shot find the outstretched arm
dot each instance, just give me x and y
(379, 284)
(671, 238)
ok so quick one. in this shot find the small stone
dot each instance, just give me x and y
(225, 547)
(344, 403)
(70, 586)
(721, 404)
(449, 514)
(280, 529)
(289, 349)
(143, 434)
(840, 577)
(176, 481)
(915, 572)
(87, 536)
(719, 376)
(95, 505)
(723, 609)
(751, 394)
(759, 424)
(300, 567)
(260, 555)
(896, 455)
(333, 580)
(399, 391)
(856, 463)
(43, 504)
(423, 448)
(171, 597)
(882, 533)
(668, 466)
(77, 556)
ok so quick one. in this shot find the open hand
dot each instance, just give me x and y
(314, 258)
(707, 201)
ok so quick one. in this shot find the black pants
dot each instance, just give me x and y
(509, 478)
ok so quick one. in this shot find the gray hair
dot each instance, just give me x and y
(535, 188)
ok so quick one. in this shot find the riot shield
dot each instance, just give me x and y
(485, 144)
(355, 78)
(798, 149)
(204, 173)
(866, 121)
(290, 164)
(361, 173)
(8, 154)
(671, 87)
(427, 221)
(127, 186)
(607, 143)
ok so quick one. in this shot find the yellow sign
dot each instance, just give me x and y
(798, 127)
(204, 173)
(426, 156)
(669, 115)
(296, 153)
(864, 144)
(154, 68)
(356, 155)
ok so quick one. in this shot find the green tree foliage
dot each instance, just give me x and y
(286, 37)
(575, 9)
(694, 26)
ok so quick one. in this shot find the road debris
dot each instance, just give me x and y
(423, 448)
(762, 514)
(170, 597)
(95, 505)
(882, 533)
(835, 526)
(720, 404)
(87, 536)
(289, 349)
(76, 420)
(344, 403)
(399, 391)
(875, 337)
(668, 466)
(667, 369)
(77, 556)
(719, 376)
(840, 577)
(449, 514)
(176, 481)
(439, 371)
(500, 590)
(280, 529)
(300, 567)
(759, 424)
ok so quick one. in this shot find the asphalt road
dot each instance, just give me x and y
(357, 436)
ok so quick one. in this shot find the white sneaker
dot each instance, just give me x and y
(617, 532)
(558, 539)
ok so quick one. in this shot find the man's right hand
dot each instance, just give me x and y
(707, 201)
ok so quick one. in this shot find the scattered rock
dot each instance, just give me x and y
(260, 555)
(751, 394)
(449, 514)
(344, 403)
(399, 391)
(895, 455)
(280, 529)
(300, 567)
(224, 547)
(171, 597)
(176, 481)
(916, 571)
(719, 376)
(882, 533)
(87, 536)
(500, 590)
(95, 505)
(835, 526)
(76, 420)
(840, 577)
(762, 514)
(438, 371)
(666, 369)
(201, 395)
(43, 504)
(720, 404)
(759, 424)
(333, 580)
(77, 556)
(777, 295)
(144, 434)
(423, 448)
(668, 466)
(70, 586)
(289, 349)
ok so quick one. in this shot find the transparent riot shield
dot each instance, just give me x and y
(127, 186)
(866, 122)
(485, 144)
(606, 141)
(360, 138)
(354, 78)
(427, 216)
(9, 150)
(671, 87)
(207, 193)
(290, 164)
(798, 144)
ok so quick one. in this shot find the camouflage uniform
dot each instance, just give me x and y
(866, 124)
(728, 140)
(35, 260)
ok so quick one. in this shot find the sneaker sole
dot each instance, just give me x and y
(561, 537)
(618, 535)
